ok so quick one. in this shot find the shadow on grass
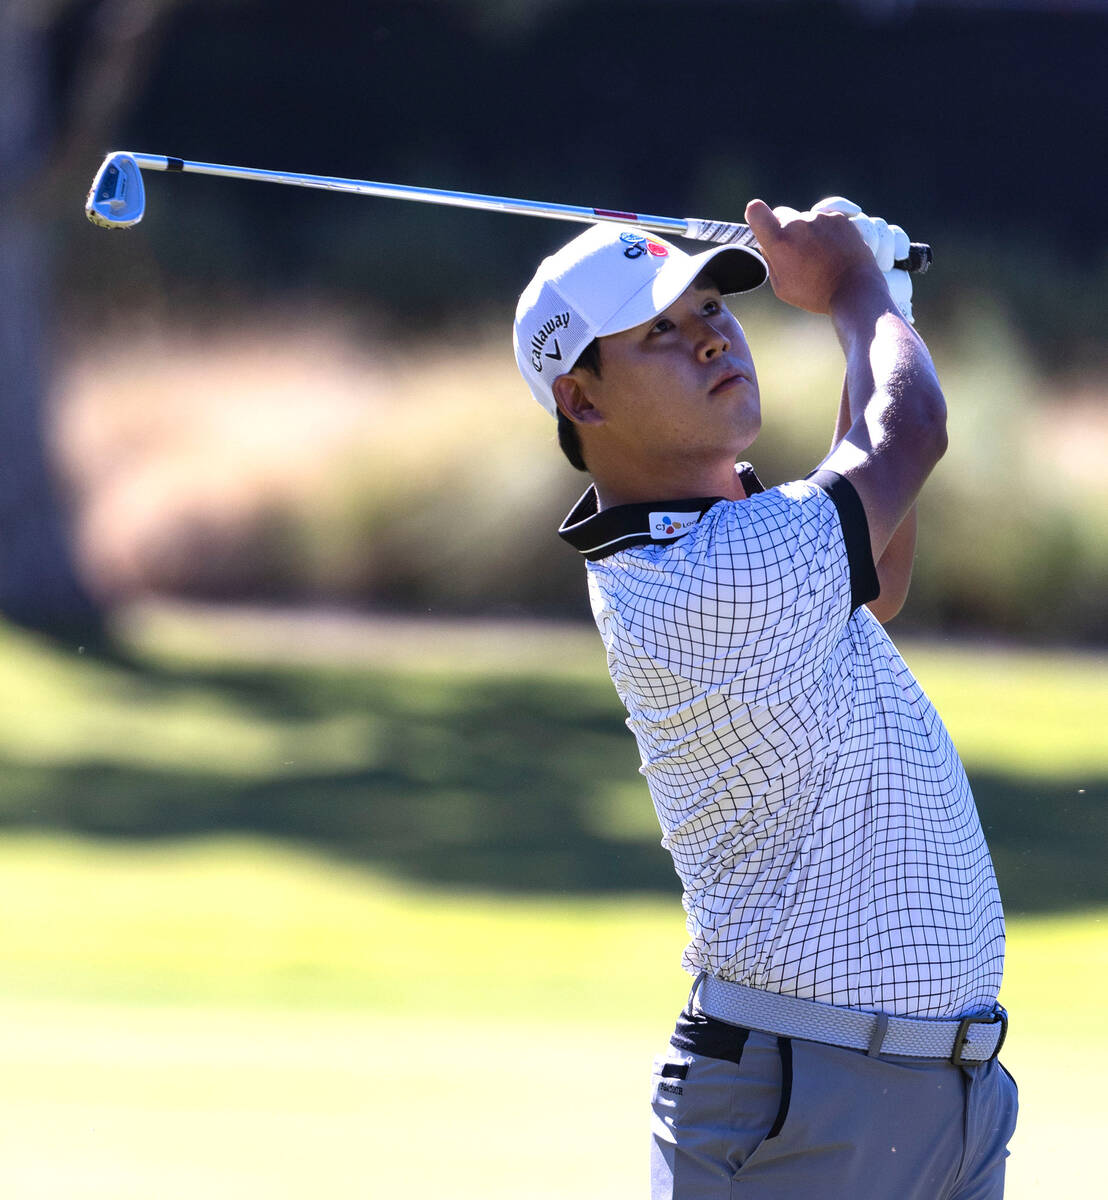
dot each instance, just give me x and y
(487, 782)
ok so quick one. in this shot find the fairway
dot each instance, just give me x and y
(371, 1004)
(231, 1020)
(123, 1104)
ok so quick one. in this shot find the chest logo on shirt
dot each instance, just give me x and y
(666, 525)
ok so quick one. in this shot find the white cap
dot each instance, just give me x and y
(608, 279)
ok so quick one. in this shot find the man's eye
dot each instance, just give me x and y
(662, 326)
(712, 307)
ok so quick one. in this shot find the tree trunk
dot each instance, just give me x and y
(39, 586)
(44, 137)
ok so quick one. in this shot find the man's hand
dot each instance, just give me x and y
(887, 243)
(812, 256)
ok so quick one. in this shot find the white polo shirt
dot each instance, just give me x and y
(818, 816)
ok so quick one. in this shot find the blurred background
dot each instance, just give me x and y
(306, 738)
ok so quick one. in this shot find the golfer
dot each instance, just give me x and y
(847, 937)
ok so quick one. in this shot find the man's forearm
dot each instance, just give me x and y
(894, 414)
(888, 368)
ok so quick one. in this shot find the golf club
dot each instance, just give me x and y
(117, 200)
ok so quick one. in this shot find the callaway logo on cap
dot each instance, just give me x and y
(608, 279)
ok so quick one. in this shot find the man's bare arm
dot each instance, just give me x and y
(894, 571)
(896, 407)
(897, 413)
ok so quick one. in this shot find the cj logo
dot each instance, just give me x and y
(637, 246)
(670, 524)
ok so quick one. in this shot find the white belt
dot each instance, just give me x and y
(965, 1040)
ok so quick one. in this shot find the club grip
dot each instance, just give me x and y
(918, 261)
(727, 233)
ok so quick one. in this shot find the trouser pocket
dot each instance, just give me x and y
(711, 1114)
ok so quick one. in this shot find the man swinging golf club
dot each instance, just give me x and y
(847, 937)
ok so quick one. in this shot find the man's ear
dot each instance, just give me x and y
(574, 401)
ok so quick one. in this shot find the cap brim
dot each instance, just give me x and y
(731, 268)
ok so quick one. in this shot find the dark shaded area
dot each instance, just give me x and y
(978, 129)
(487, 782)
(1047, 840)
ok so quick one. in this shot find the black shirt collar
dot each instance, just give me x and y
(596, 534)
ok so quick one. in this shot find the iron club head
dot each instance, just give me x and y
(116, 199)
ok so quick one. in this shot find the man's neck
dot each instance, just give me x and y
(718, 481)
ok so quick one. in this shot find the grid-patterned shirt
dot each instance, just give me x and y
(817, 813)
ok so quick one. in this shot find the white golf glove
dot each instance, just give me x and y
(886, 242)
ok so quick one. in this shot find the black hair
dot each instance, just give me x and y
(568, 437)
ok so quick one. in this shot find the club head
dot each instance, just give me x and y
(116, 199)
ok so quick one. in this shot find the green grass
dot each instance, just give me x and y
(250, 923)
(490, 755)
(317, 908)
(1034, 714)
(234, 1018)
(238, 922)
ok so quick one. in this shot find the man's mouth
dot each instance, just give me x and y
(728, 380)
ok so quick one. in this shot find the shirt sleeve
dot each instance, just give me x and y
(864, 584)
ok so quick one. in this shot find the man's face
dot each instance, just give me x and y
(682, 384)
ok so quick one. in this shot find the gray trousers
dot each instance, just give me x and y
(749, 1116)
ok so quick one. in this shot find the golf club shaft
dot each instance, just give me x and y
(730, 233)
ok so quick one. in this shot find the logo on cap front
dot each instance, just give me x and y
(637, 246)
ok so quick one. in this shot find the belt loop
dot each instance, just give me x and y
(880, 1025)
(697, 982)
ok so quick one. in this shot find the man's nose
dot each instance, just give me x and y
(711, 341)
